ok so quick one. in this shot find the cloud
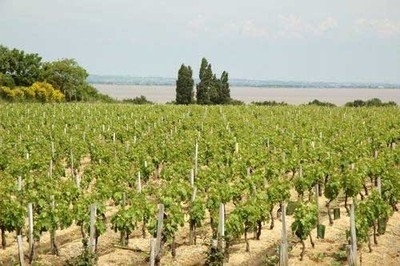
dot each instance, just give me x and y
(326, 25)
(294, 27)
(384, 28)
(282, 27)
(198, 25)
(251, 29)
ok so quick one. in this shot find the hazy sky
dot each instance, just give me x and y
(313, 40)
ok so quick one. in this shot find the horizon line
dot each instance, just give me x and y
(393, 84)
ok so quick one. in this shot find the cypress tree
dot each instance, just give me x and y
(212, 90)
(184, 85)
(206, 82)
(225, 93)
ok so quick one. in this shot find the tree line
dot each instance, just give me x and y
(24, 76)
(210, 89)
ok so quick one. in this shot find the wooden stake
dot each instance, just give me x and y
(20, 250)
(52, 150)
(221, 226)
(152, 251)
(139, 184)
(19, 183)
(92, 240)
(379, 186)
(317, 201)
(30, 229)
(353, 238)
(196, 153)
(160, 227)
(191, 177)
(194, 193)
(51, 168)
(283, 254)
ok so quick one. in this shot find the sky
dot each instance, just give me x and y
(287, 40)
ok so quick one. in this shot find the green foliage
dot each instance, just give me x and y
(352, 182)
(19, 68)
(367, 214)
(184, 86)
(211, 90)
(332, 188)
(375, 102)
(305, 219)
(6, 80)
(12, 214)
(197, 212)
(138, 100)
(320, 103)
(236, 102)
(278, 191)
(270, 103)
(251, 180)
(125, 220)
(68, 77)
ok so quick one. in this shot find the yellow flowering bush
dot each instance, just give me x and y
(39, 91)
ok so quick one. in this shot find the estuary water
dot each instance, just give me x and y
(338, 96)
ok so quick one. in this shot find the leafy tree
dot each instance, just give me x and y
(6, 80)
(23, 68)
(184, 85)
(68, 77)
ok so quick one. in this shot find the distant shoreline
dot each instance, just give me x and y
(296, 96)
(160, 81)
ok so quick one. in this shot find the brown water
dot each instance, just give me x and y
(163, 94)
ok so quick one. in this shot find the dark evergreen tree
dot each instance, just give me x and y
(225, 92)
(212, 90)
(206, 82)
(184, 85)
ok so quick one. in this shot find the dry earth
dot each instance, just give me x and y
(387, 252)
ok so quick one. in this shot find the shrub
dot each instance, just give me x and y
(44, 92)
(39, 91)
(138, 100)
(319, 103)
(236, 102)
(270, 103)
(375, 102)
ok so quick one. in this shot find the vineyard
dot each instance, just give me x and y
(98, 183)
